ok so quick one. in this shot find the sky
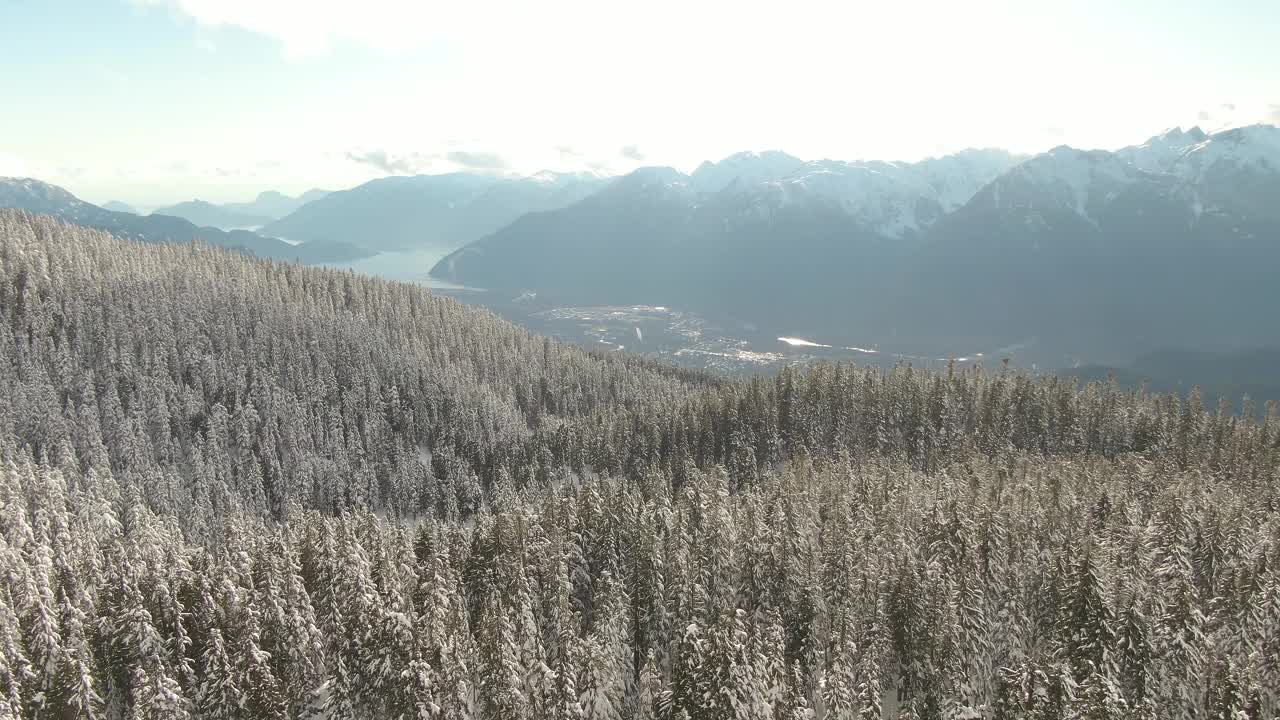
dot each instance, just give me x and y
(157, 101)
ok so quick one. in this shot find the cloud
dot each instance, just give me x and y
(478, 160)
(1055, 131)
(407, 164)
(1229, 107)
(1204, 116)
(631, 152)
(1274, 113)
(567, 151)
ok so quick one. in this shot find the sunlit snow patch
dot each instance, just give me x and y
(800, 342)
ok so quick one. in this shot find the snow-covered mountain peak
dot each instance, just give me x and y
(1065, 178)
(1178, 136)
(26, 184)
(38, 195)
(1252, 147)
(546, 177)
(1229, 173)
(893, 198)
(657, 175)
(745, 169)
(651, 181)
(552, 177)
(1159, 154)
(957, 178)
(1074, 165)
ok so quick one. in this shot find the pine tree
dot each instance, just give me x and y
(15, 667)
(1087, 623)
(648, 690)
(690, 692)
(1100, 698)
(501, 677)
(220, 695)
(1180, 636)
(263, 697)
(1229, 693)
(45, 650)
(79, 690)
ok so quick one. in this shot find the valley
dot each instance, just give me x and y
(736, 346)
(723, 344)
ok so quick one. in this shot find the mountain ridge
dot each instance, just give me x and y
(1069, 238)
(403, 212)
(269, 205)
(199, 212)
(44, 198)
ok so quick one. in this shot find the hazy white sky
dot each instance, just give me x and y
(154, 101)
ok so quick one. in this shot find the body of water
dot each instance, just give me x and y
(405, 266)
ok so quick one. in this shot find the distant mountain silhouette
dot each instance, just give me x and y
(40, 197)
(275, 205)
(397, 213)
(202, 213)
(269, 205)
(117, 206)
(1228, 377)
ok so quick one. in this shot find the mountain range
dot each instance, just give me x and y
(713, 238)
(117, 206)
(208, 214)
(406, 212)
(40, 197)
(1171, 243)
(1090, 255)
(267, 206)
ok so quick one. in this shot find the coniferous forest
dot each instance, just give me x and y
(236, 488)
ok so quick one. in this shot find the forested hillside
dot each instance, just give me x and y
(233, 488)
